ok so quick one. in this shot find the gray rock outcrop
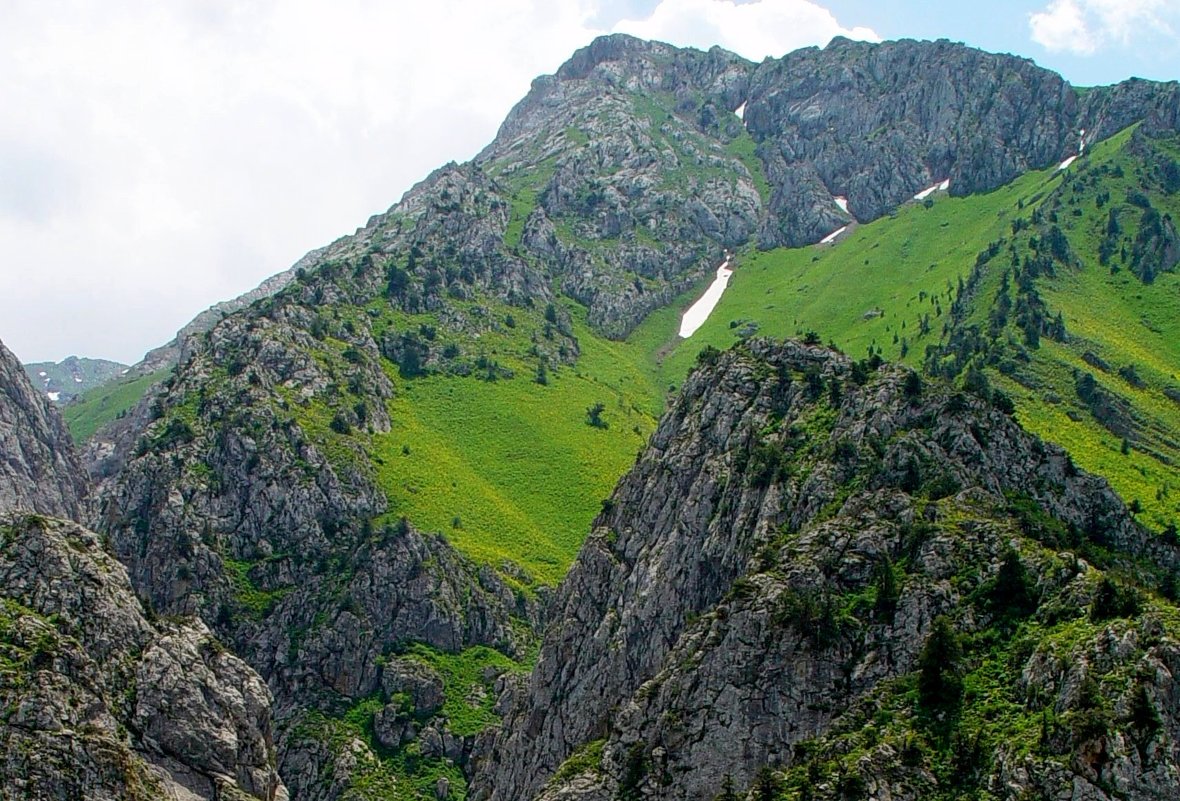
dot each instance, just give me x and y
(102, 703)
(39, 469)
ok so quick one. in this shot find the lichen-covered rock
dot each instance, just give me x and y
(102, 703)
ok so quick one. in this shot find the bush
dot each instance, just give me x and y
(1112, 600)
(1003, 403)
(1089, 720)
(1013, 592)
(594, 416)
(912, 386)
(340, 424)
(708, 356)
(767, 464)
(887, 591)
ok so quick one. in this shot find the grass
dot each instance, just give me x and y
(880, 280)
(468, 693)
(255, 602)
(103, 404)
(509, 469)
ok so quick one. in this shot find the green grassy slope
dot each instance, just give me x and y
(879, 280)
(99, 406)
(511, 469)
(508, 468)
(891, 288)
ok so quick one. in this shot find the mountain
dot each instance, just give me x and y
(373, 482)
(39, 471)
(65, 380)
(769, 586)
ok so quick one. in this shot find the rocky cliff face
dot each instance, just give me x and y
(101, 702)
(760, 589)
(39, 470)
(879, 123)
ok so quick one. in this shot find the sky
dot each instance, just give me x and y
(158, 157)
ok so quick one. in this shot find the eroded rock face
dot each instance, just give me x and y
(39, 469)
(103, 703)
(709, 629)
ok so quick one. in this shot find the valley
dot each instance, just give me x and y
(674, 444)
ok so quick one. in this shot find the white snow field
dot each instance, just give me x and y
(698, 312)
(830, 238)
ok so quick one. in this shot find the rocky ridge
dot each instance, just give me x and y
(758, 592)
(591, 150)
(65, 380)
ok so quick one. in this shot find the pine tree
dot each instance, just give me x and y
(939, 684)
(887, 592)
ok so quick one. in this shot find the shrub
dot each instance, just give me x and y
(340, 424)
(594, 416)
(708, 355)
(1003, 403)
(1013, 593)
(1112, 600)
(887, 591)
(912, 386)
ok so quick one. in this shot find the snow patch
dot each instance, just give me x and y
(740, 111)
(54, 396)
(77, 380)
(125, 372)
(830, 238)
(42, 374)
(842, 202)
(942, 186)
(1063, 165)
(698, 312)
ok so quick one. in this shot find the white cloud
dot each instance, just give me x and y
(754, 30)
(1062, 26)
(159, 157)
(1084, 27)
